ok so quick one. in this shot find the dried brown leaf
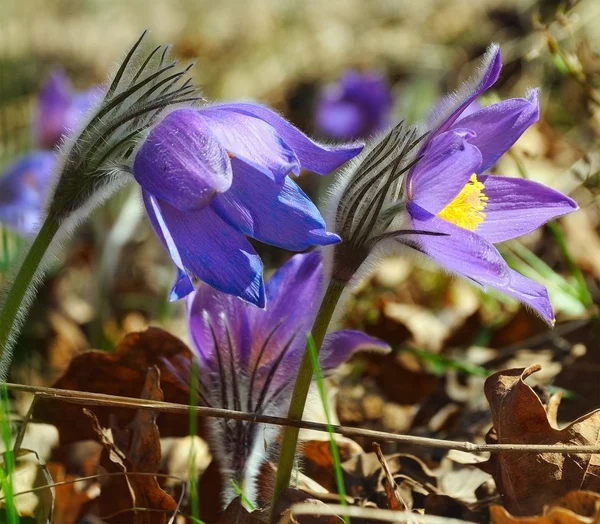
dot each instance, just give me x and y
(134, 449)
(529, 481)
(122, 373)
(576, 507)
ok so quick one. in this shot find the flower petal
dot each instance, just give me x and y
(201, 243)
(280, 215)
(214, 316)
(516, 207)
(183, 284)
(293, 294)
(458, 250)
(532, 294)
(465, 253)
(23, 189)
(312, 156)
(253, 140)
(341, 345)
(499, 126)
(181, 162)
(451, 106)
(447, 165)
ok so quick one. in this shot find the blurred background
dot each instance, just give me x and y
(308, 60)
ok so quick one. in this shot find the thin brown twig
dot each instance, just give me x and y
(384, 515)
(100, 399)
(97, 476)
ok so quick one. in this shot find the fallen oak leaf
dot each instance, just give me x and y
(122, 373)
(530, 481)
(576, 507)
(134, 450)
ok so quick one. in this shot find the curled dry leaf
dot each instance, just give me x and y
(318, 461)
(530, 481)
(122, 373)
(576, 507)
(134, 449)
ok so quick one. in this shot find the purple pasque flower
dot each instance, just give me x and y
(358, 105)
(447, 206)
(248, 359)
(213, 176)
(59, 109)
(23, 191)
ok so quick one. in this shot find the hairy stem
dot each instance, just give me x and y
(305, 374)
(15, 304)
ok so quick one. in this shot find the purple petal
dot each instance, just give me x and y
(201, 243)
(531, 294)
(467, 254)
(341, 345)
(516, 207)
(312, 156)
(183, 284)
(53, 105)
(499, 126)
(293, 295)
(451, 107)
(252, 140)
(280, 215)
(445, 168)
(459, 250)
(23, 189)
(216, 317)
(181, 162)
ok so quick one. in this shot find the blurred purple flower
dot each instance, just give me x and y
(357, 106)
(23, 191)
(59, 109)
(213, 176)
(23, 186)
(448, 207)
(249, 357)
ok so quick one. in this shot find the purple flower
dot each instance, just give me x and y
(213, 176)
(23, 191)
(249, 357)
(59, 109)
(357, 106)
(448, 207)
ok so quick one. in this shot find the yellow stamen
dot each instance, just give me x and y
(466, 210)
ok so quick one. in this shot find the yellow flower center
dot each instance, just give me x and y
(466, 210)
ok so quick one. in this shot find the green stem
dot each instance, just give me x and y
(298, 401)
(14, 299)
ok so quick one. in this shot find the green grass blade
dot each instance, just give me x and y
(335, 453)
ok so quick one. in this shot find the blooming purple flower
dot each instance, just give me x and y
(23, 191)
(358, 105)
(213, 176)
(59, 109)
(454, 211)
(249, 357)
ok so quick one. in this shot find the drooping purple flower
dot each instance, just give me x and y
(447, 206)
(213, 176)
(59, 109)
(358, 105)
(23, 191)
(248, 359)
